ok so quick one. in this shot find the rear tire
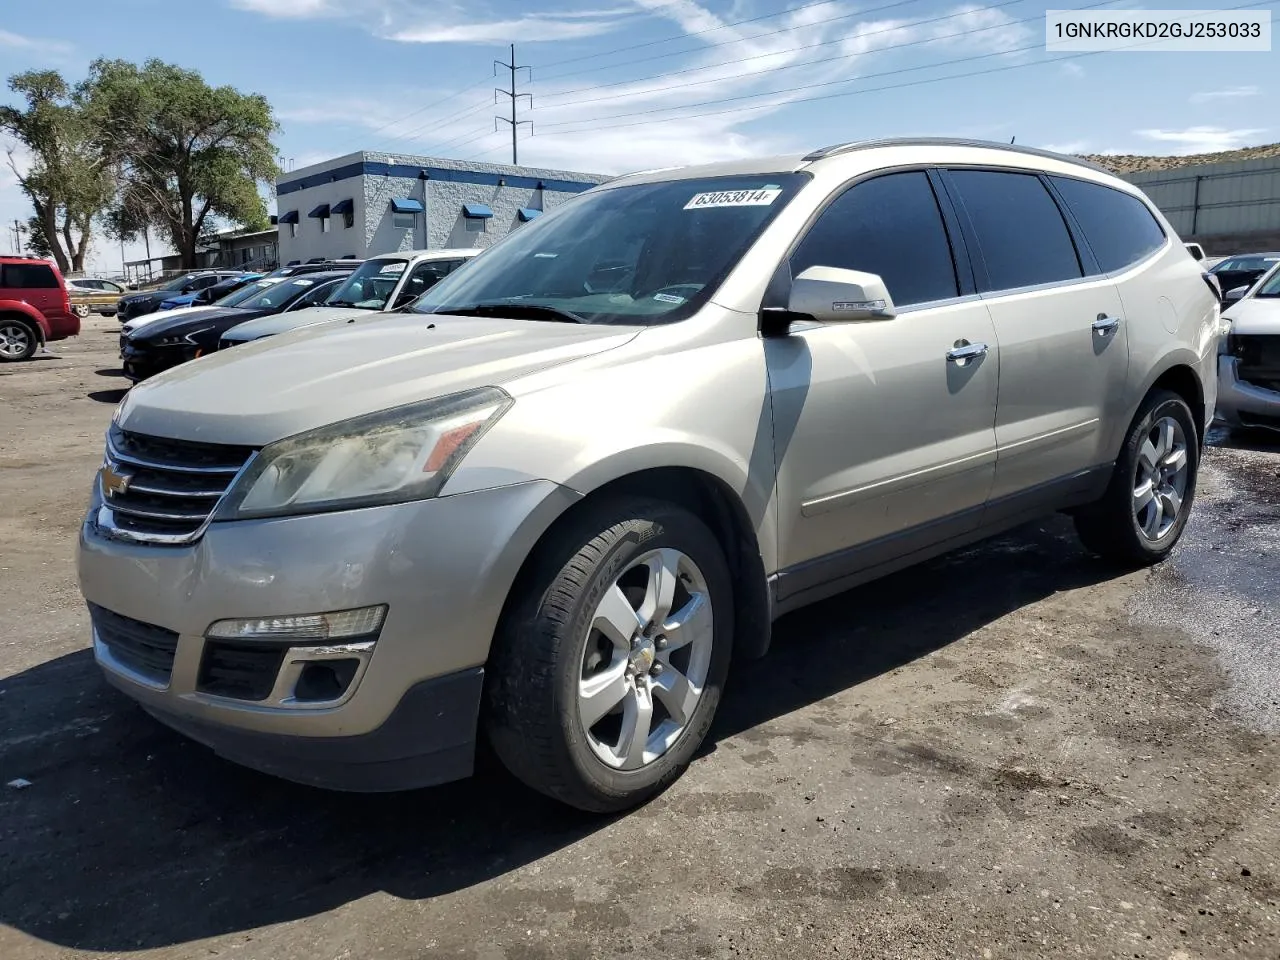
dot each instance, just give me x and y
(18, 340)
(595, 696)
(1141, 516)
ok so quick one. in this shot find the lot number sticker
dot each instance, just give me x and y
(734, 198)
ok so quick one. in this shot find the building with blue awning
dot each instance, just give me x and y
(373, 203)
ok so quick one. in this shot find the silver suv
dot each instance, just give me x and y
(549, 506)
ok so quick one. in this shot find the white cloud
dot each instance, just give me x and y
(35, 45)
(562, 27)
(1202, 139)
(290, 9)
(1072, 69)
(693, 109)
(1230, 93)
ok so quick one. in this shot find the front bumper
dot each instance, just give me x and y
(1243, 404)
(142, 363)
(443, 567)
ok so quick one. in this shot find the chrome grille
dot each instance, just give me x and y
(157, 490)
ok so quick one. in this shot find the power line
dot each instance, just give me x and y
(852, 93)
(698, 33)
(811, 46)
(729, 43)
(418, 112)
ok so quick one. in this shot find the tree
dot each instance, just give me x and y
(188, 154)
(37, 242)
(68, 179)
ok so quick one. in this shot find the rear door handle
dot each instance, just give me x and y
(1105, 324)
(964, 351)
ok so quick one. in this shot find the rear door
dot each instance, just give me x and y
(34, 283)
(1064, 352)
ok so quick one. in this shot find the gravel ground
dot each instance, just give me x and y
(1009, 752)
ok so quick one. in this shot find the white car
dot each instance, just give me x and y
(1249, 358)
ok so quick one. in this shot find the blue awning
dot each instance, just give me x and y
(343, 206)
(528, 213)
(476, 211)
(321, 212)
(290, 217)
(406, 205)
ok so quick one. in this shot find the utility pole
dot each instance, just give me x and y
(515, 124)
(17, 235)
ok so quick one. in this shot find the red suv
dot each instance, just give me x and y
(34, 307)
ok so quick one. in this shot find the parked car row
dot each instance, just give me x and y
(292, 297)
(548, 501)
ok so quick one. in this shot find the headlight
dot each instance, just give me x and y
(180, 340)
(406, 453)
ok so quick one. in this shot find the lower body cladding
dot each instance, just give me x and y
(391, 703)
(1243, 403)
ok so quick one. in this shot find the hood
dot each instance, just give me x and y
(309, 378)
(284, 322)
(149, 318)
(167, 324)
(1254, 315)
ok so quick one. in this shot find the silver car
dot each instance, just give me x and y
(549, 507)
(1249, 364)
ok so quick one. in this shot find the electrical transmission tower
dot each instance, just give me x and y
(515, 124)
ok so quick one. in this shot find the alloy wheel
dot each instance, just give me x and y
(1160, 480)
(646, 658)
(15, 341)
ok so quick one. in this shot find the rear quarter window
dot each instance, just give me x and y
(28, 276)
(1118, 227)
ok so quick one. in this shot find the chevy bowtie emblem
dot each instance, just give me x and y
(114, 483)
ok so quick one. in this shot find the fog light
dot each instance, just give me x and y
(325, 680)
(342, 624)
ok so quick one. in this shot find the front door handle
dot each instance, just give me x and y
(965, 351)
(1105, 324)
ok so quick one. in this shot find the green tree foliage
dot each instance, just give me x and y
(36, 240)
(188, 154)
(68, 178)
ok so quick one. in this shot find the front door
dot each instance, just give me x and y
(1064, 351)
(884, 438)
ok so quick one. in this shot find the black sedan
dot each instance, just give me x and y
(148, 301)
(1243, 270)
(162, 344)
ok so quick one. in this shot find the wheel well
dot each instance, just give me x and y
(713, 502)
(1183, 381)
(26, 321)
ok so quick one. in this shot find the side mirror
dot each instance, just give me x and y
(835, 295)
(1234, 294)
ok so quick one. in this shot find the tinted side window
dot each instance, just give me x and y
(1120, 229)
(1020, 232)
(29, 276)
(890, 226)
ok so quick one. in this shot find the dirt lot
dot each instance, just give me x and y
(1012, 752)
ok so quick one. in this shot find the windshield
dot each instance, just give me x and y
(245, 292)
(1270, 285)
(1247, 263)
(276, 295)
(370, 286)
(177, 282)
(645, 254)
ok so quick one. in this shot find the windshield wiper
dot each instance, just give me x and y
(348, 303)
(504, 308)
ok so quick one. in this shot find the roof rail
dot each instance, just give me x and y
(853, 145)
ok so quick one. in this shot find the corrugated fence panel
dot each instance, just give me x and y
(1220, 198)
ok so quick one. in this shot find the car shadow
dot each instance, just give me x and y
(130, 837)
(109, 396)
(110, 372)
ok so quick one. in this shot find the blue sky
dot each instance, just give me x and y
(627, 84)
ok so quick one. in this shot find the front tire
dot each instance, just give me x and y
(1142, 515)
(610, 661)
